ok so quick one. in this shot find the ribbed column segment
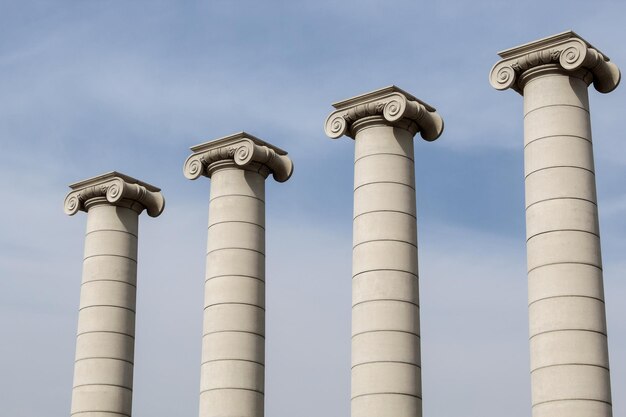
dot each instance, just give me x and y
(232, 378)
(386, 373)
(386, 368)
(233, 344)
(103, 371)
(568, 344)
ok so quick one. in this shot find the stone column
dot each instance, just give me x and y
(103, 370)
(386, 369)
(233, 342)
(568, 345)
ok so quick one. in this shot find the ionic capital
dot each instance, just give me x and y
(395, 106)
(242, 150)
(566, 50)
(116, 189)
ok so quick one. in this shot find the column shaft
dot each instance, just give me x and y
(232, 380)
(386, 367)
(386, 372)
(233, 348)
(103, 372)
(568, 344)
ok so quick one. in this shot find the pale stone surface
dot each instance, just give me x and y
(563, 246)
(571, 381)
(568, 346)
(558, 151)
(388, 285)
(386, 405)
(386, 368)
(232, 376)
(578, 279)
(103, 370)
(566, 313)
(560, 182)
(562, 214)
(231, 402)
(573, 408)
(385, 376)
(389, 346)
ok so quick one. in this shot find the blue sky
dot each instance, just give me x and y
(92, 86)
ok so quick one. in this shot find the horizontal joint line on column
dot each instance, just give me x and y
(569, 364)
(383, 211)
(563, 230)
(384, 240)
(235, 275)
(233, 359)
(236, 221)
(109, 254)
(556, 136)
(248, 249)
(566, 330)
(555, 105)
(400, 362)
(233, 303)
(233, 388)
(105, 357)
(237, 195)
(106, 331)
(566, 296)
(109, 280)
(108, 385)
(386, 299)
(549, 75)
(564, 263)
(561, 198)
(386, 393)
(384, 153)
(233, 331)
(384, 269)
(572, 399)
(558, 166)
(385, 330)
(106, 305)
(100, 411)
(385, 182)
(110, 230)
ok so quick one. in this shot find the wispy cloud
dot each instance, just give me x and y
(88, 87)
